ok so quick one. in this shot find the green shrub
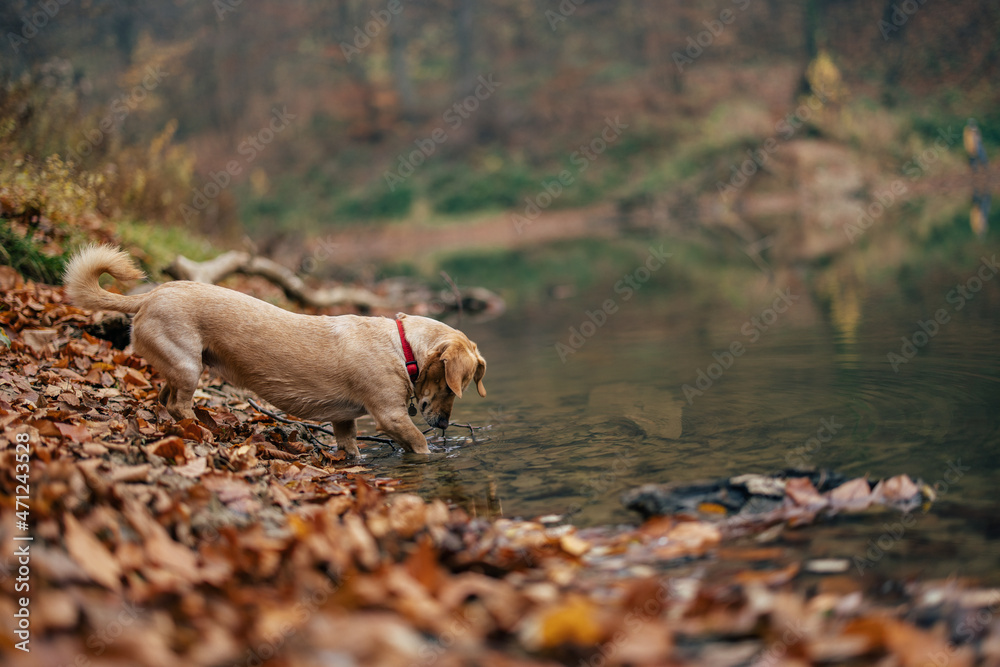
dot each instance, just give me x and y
(377, 203)
(466, 190)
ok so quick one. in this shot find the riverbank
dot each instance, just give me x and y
(230, 540)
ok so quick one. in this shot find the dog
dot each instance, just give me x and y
(322, 368)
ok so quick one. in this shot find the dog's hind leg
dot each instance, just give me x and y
(181, 369)
(346, 433)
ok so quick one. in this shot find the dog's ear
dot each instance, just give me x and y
(454, 370)
(480, 372)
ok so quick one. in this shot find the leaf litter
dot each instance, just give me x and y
(227, 540)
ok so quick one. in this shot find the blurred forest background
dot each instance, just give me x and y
(285, 121)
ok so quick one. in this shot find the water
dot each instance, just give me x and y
(816, 388)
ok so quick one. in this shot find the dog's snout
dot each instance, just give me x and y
(440, 422)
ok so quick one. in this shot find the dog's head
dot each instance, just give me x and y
(447, 371)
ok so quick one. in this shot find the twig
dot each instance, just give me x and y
(283, 420)
(315, 427)
(472, 431)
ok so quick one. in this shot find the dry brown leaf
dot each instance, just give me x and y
(194, 468)
(574, 545)
(574, 620)
(171, 448)
(407, 514)
(39, 340)
(800, 490)
(74, 432)
(899, 489)
(853, 494)
(769, 577)
(137, 473)
(91, 554)
(135, 378)
(362, 543)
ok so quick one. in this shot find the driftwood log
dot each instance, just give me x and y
(470, 299)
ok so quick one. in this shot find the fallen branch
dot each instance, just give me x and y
(476, 299)
(235, 261)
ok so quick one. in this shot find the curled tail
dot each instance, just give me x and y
(83, 271)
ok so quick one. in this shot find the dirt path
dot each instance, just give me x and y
(409, 240)
(413, 240)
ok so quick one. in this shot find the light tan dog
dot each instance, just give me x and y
(321, 368)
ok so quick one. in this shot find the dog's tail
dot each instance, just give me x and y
(83, 271)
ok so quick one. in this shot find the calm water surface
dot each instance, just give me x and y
(816, 388)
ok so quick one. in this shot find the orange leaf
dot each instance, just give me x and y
(171, 448)
(574, 620)
(91, 555)
(136, 378)
(74, 432)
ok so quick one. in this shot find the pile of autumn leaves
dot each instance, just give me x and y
(228, 540)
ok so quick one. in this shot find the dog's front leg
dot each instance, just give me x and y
(402, 430)
(346, 434)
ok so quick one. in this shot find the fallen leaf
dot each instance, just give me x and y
(39, 339)
(135, 378)
(171, 448)
(899, 489)
(800, 490)
(193, 468)
(406, 514)
(91, 554)
(74, 432)
(853, 494)
(126, 473)
(574, 620)
(574, 545)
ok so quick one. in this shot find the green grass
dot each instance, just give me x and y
(27, 257)
(163, 243)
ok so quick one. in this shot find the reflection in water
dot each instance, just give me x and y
(979, 216)
(653, 411)
(572, 436)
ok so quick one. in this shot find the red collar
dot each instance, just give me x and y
(411, 363)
